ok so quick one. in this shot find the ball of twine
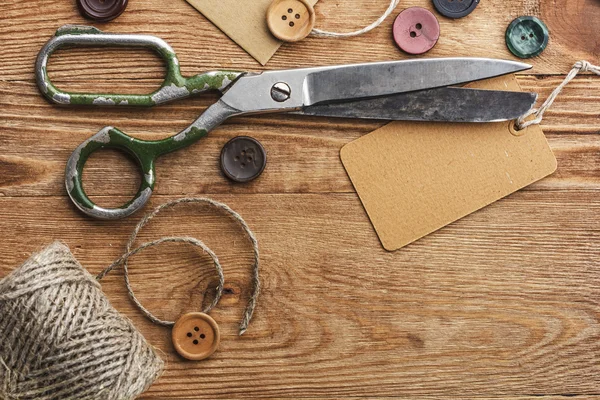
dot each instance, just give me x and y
(62, 339)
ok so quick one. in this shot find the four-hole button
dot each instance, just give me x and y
(290, 20)
(243, 159)
(195, 336)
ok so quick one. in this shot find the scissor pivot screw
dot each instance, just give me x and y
(280, 92)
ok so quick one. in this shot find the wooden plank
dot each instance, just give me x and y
(303, 152)
(503, 302)
(202, 46)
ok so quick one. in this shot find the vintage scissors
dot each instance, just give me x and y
(394, 90)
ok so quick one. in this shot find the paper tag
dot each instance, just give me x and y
(413, 178)
(244, 21)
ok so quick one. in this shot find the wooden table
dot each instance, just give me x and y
(503, 303)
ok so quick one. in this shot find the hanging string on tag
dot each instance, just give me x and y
(392, 6)
(194, 242)
(579, 66)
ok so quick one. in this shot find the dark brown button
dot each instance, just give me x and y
(101, 10)
(243, 158)
(195, 336)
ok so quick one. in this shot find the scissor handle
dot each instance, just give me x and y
(174, 86)
(144, 152)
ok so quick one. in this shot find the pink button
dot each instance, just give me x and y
(416, 30)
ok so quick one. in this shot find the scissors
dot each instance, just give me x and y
(414, 90)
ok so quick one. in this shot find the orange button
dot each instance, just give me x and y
(195, 336)
(290, 20)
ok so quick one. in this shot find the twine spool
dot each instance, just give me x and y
(62, 339)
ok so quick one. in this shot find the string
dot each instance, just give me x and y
(249, 311)
(538, 114)
(391, 7)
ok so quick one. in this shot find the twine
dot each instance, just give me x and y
(579, 66)
(63, 340)
(379, 21)
(195, 242)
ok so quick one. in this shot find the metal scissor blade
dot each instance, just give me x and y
(385, 78)
(442, 104)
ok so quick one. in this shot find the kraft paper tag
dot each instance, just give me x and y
(413, 178)
(244, 21)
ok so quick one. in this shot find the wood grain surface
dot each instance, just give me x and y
(501, 304)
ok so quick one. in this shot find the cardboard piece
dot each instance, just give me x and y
(244, 21)
(413, 178)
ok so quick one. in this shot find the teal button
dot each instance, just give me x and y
(527, 37)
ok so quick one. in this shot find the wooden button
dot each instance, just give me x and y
(195, 336)
(290, 20)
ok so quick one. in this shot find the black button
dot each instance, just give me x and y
(243, 158)
(101, 10)
(455, 8)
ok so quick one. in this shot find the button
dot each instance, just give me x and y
(195, 336)
(455, 8)
(416, 30)
(527, 37)
(243, 158)
(290, 20)
(101, 10)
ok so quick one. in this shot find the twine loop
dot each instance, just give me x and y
(585, 66)
(197, 243)
(538, 114)
(379, 21)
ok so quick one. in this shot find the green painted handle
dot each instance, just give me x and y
(144, 152)
(175, 86)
